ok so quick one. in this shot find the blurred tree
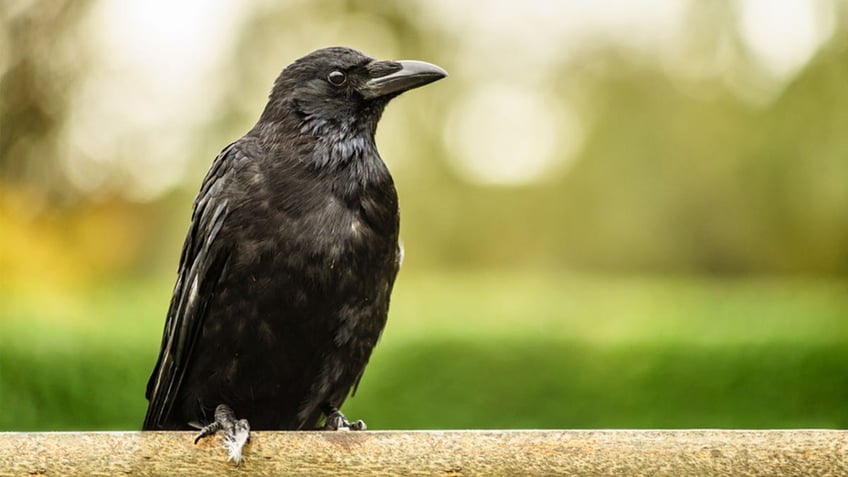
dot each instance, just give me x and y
(689, 164)
(39, 66)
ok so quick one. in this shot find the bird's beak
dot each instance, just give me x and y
(412, 74)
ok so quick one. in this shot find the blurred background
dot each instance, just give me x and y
(615, 214)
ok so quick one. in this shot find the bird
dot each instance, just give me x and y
(288, 265)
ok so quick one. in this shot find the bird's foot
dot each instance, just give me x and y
(336, 421)
(236, 432)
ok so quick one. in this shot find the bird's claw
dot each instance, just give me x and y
(236, 432)
(337, 421)
(207, 431)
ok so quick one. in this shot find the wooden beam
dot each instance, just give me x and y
(544, 452)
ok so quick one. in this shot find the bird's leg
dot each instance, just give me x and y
(236, 432)
(336, 421)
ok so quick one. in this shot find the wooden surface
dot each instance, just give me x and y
(445, 453)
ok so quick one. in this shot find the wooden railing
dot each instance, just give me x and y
(533, 452)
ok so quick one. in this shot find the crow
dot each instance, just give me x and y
(286, 272)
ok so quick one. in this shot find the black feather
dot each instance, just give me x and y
(288, 265)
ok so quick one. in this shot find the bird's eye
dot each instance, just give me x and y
(336, 78)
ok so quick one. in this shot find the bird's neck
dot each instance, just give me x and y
(344, 152)
(340, 147)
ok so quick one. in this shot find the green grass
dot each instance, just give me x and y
(486, 350)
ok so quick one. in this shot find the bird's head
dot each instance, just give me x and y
(341, 91)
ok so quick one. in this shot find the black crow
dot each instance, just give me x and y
(285, 275)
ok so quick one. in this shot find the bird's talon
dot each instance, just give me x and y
(236, 432)
(209, 430)
(337, 421)
(334, 423)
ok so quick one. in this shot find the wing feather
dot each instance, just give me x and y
(202, 263)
